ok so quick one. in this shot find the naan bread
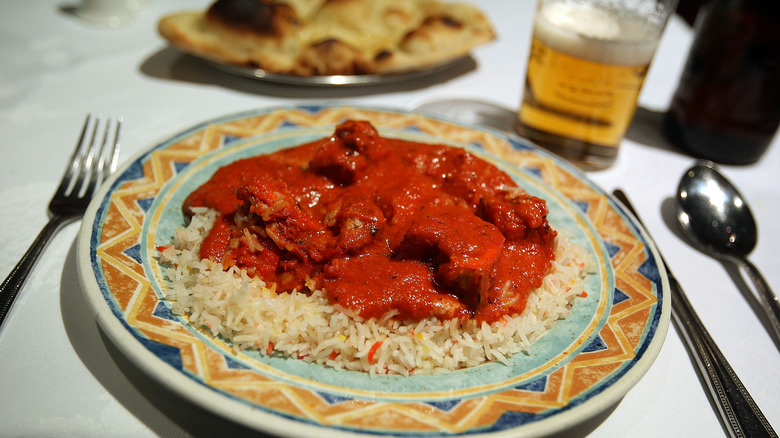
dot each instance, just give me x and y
(329, 37)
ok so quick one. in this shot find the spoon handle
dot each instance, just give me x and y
(770, 302)
(739, 413)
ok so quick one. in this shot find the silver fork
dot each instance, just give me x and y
(95, 157)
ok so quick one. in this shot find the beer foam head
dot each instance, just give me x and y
(584, 20)
(596, 33)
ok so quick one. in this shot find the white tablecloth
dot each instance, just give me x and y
(58, 377)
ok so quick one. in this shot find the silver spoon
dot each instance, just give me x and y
(715, 217)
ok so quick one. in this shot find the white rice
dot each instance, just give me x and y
(249, 314)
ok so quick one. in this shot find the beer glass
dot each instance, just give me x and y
(587, 64)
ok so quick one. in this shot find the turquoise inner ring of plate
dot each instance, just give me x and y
(563, 341)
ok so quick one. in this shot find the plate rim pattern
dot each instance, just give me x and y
(119, 294)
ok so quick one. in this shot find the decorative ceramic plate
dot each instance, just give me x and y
(581, 367)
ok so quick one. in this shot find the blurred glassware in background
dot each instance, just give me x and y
(727, 105)
(587, 64)
(111, 13)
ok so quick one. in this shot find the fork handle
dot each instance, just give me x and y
(13, 283)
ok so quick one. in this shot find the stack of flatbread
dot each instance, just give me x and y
(329, 37)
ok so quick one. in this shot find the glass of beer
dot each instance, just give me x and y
(587, 64)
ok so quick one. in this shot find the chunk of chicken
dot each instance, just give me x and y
(517, 214)
(349, 152)
(290, 228)
(357, 219)
(463, 249)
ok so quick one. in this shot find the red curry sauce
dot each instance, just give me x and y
(381, 224)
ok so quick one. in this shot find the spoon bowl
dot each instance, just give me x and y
(714, 215)
(715, 218)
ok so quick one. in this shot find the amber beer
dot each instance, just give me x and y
(585, 71)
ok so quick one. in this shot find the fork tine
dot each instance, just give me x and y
(81, 186)
(103, 154)
(97, 171)
(68, 182)
(115, 151)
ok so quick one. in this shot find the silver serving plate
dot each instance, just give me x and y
(335, 80)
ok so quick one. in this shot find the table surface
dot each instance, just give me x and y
(61, 377)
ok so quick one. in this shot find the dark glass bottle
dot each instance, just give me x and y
(727, 105)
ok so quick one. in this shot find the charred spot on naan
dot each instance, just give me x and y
(252, 16)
